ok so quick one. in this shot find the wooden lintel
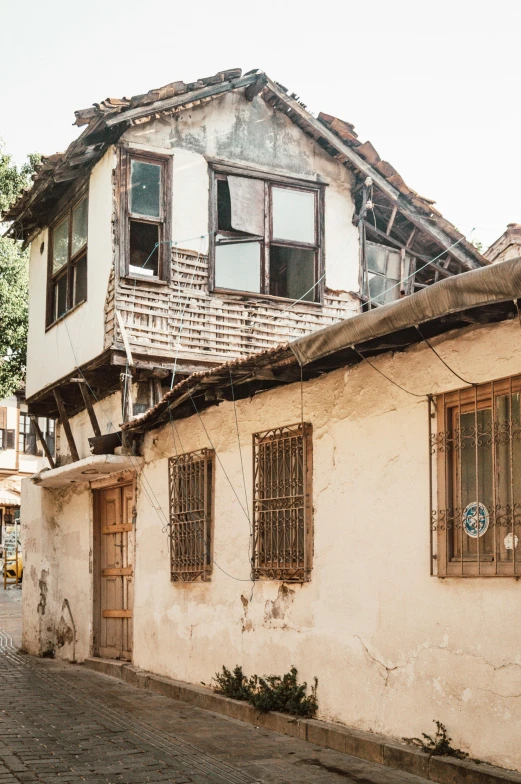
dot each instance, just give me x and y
(88, 405)
(42, 441)
(66, 424)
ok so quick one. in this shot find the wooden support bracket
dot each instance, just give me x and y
(66, 424)
(42, 441)
(88, 405)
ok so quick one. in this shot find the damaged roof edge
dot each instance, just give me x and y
(498, 283)
(487, 286)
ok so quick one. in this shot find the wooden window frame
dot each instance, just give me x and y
(446, 473)
(286, 569)
(218, 172)
(126, 156)
(68, 269)
(201, 569)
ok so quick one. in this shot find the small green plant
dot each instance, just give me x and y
(439, 745)
(271, 693)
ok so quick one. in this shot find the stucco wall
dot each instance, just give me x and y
(56, 533)
(393, 647)
(78, 337)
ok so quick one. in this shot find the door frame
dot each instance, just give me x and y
(118, 480)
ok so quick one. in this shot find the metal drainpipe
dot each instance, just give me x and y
(67, 605)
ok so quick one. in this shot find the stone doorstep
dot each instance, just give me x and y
(365, 745)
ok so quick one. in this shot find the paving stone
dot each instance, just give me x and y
(61, 723)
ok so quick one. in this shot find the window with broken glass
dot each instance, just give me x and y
(67, 278)
(191, 478)
(282, 503)
(476, 465)
(267, 236)
(146, 215)
(387, 271)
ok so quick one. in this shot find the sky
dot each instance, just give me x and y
(434, 86)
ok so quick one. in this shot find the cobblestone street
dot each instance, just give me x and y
(65, 723)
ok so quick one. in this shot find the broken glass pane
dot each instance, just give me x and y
(79, 226)
(292, 273)
(382, 289)
(247, 205)
(237, 266)
(293, 215)
(60, 245)
(145, 187)
(376, 257)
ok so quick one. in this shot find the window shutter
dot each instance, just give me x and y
(9, 440)
(247, 201)
(3, 417)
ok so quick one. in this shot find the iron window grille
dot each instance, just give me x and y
(191, 478)
(476, 481)
(282, 503)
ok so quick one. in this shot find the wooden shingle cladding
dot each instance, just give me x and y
(184, 320)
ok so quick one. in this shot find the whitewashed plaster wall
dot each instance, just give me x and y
(232, 129)
(78, 337)
(393, 647)
(56, 534)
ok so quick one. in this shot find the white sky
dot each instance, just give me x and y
(434, 86)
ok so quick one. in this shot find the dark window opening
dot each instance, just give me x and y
(60, 298)
(80, 280)
(144, 249)
(292, 272)
(224, 206)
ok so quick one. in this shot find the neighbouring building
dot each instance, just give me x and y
(225, 292)
(20, 455)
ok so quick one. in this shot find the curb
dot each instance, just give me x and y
(365, 745)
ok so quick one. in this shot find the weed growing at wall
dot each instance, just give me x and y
(439, 745)
(271, 693)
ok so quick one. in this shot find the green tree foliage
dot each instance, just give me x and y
(13, 279)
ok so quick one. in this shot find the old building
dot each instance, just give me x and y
(214, 272)
(21, 454)
(335, 503)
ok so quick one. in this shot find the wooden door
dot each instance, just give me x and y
(116, 564)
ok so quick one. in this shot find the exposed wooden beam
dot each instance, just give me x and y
(64, 418)
(42, 441)
(88, 405)
(443, 272)
(255, 87)
(179, 100)
(391, 219)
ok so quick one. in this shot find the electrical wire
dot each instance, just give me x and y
(414, 394)
(471, 383)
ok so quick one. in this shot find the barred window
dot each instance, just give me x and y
(477, 455)
(282, 503)
(191, 478)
